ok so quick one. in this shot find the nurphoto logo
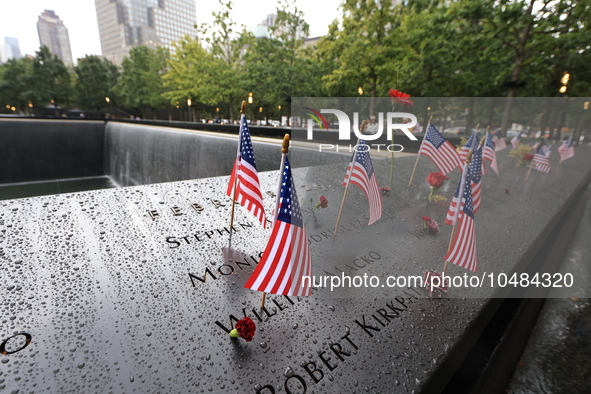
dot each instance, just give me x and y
(345, 127)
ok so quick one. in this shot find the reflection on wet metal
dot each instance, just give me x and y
(114, 291)
(557, 356)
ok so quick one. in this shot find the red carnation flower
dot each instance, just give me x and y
(528, 157)
(245, 329)
(323, 202)
(385, 189)
(399, 97)
(436, 179)
(430, 224)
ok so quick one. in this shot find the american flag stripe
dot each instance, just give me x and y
(440, 151)
(285, 277)
(540, 160)
(490, 154)
(470, 145)
(566, 150)
(500, 143)
(372, 193)
(452, 212)
(287, 255)
(475, 174)
(463, 250)
(463, 153)
(244, 178)
(476, 192)
(446, 161)
(541, 163)
(362, 174)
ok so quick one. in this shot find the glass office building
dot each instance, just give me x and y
(54, 35)
(124, 24)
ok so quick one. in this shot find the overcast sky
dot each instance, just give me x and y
(19, 18)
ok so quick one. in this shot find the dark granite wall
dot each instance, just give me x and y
(131, 154)
(35, 150)
(141, 154)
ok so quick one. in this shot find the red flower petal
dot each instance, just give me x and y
(246, 328)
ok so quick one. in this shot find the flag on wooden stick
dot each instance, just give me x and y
(440, 151)
(462, 250)
(500, 143)
(360, 172)
(475, 170)
(470, 145)
(286, 258)
(567, 149)
(540, 160)
(490, 153)
(244, 180)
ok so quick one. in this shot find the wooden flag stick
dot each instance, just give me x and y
(530, 168)
(342, 204)
(284, 152)
(242, 112)
(458, 206)
(451, 238)
(392, 162)
(419, 153)
(263, 300)
(352, 164)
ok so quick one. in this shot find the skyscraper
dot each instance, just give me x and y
(124, 24)
(54, 35)
(15, 48)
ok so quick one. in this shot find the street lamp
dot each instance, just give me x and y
(564, 80)
(249, 98)
(360, 90)
(189, 102)
(108, 100)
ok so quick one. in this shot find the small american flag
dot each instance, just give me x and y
(500, 143)
(286, 258)
(470, 145)
(248, 188)
(515, 141)
(567, 149)
(462, 250)
(440, 151)
(490, 154)
(547, 150)
(475, 170)
(540, 160)
(363, 175)
(452, 212)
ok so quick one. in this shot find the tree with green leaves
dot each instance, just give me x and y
(140, 84)
(189, 75)
(279, 67)
(227, 44)
(96, 80)
(15, 76)
(363, 47)
(49, 81)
